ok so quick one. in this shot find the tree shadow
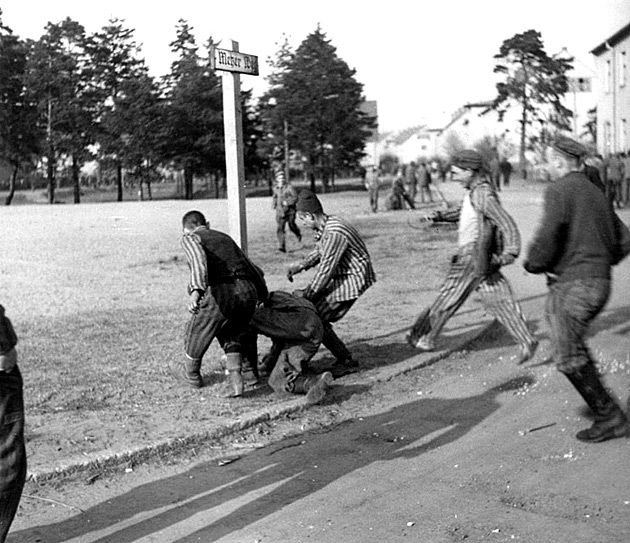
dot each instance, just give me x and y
(209, 502)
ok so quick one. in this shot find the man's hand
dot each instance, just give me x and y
(193, 303)
(8, 360)
(292, 270)
(503, 260)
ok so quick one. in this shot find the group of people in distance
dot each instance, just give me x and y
(578, 241)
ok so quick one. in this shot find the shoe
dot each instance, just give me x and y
(187, 372)
(235, 384)
(344, 367)
(317, 386)
(423, 343)
(250, 378)
(526, 352)
(606, 426)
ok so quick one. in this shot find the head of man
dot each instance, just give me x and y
(309, 210)
(566, 155)
(467, 165)
(192, 220)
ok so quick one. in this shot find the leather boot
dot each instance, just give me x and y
(314, 386)
(188, 371)
(344, 367)
(233, 365)
(610, 420)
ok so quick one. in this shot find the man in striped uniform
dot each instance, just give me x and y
(283, 201)
(488, 239)
(344, 273)
(224, 289)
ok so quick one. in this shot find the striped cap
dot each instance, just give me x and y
(569, 147)
(468, 159)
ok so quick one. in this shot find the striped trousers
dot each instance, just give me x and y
(494, 291)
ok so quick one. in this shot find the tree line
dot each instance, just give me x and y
(71, 97)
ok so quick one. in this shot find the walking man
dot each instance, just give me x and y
(344, 272)
(424, 182)
(575, 245)
(283, 201)
(488, 239)
(372, 185)
(506, 171)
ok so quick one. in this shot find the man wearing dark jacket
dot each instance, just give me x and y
(575, 245)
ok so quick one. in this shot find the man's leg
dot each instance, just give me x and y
(498, 299)
(570, 309)
(460, 281)
(329, 312)
(280, 222)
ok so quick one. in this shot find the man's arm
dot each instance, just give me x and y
(486, 202)
(544, 247)
(334, 245)
(307, 263)
(198, 270)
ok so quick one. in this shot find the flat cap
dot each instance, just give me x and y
(307, 201)
(468, 159)
(569, 146)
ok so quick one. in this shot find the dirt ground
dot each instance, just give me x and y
(472, 448)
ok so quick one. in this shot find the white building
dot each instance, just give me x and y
(613, 92)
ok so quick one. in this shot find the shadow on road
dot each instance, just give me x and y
(209, 502)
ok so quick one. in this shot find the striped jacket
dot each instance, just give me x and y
(345, 268)
(498, 231)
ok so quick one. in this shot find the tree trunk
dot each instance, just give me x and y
(50, 170)
(119, 181)
(12, 180)
(76, 181)
(188, 182)
(149, 195)
(521, 157)
(216, 185)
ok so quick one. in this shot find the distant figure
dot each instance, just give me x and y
(411, 181)
(283, 201)
(372, 184)
(424, 182)
(506, 171)
(495, 172)
(12, 451)
(398, 194)
(614, 176)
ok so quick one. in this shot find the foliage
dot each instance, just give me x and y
(192, 135)
(453, 144)
(316, 93)
(19, 135)
(58, 83)
(534, 82)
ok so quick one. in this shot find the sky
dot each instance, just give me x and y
(420, 60)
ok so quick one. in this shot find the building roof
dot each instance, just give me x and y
(618, 36)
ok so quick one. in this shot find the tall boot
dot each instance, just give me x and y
(233, 366)
(314, 386)
(610, 420)
(188, 371)
(249, 370)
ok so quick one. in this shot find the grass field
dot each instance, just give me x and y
(97, 294)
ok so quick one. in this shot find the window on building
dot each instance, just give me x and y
(623, 68)
(607, 75)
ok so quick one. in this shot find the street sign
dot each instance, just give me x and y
(233, 61)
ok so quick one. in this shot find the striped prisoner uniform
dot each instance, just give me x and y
(344, 273)
(474, 268)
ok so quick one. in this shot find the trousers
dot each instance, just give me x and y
(329, 312)
(570, 308)
(224, 312)
(284, 217)
(495, 293)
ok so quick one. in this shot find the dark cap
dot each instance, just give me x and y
(468, 159)
(307, 201)
(568, 146)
